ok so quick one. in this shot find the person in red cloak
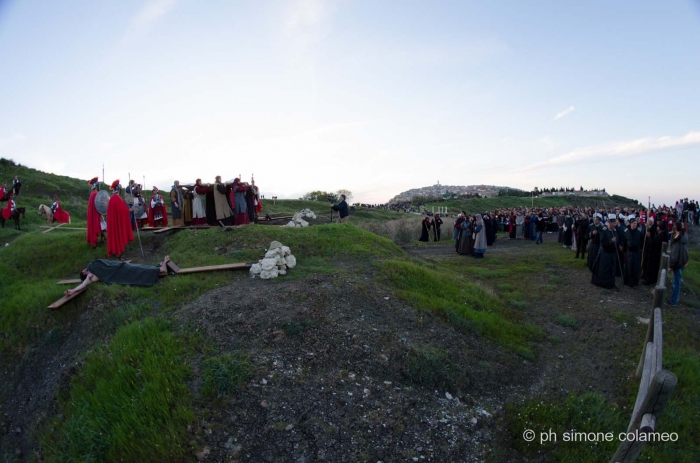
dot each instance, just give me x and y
(119, 232)
(7, 210)
(93, 217)
(59, 215)
(157, 213)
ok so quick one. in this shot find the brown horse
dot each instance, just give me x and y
(15, 216)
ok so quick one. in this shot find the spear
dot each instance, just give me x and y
(135, 221)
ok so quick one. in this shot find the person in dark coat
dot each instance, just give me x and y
(606, 261)
(425, 224)
(437, 222)
(634, 240)
(456, 229)
(490, 231)
(581, 227)
(621, 245)
(678, 261)
(594, 232)
(466, 242)
(658, 235)
(568, 230)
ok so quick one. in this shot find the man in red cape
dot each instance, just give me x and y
(119, 232)
(59, 214)
(7, 211)
(93, 217)
(157, 213)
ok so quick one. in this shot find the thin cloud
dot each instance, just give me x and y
(619, 150)
(568, 110)
(147, 16)
(307, 23)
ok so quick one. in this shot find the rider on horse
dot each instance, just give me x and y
(10, 208)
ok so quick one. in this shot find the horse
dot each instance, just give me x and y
(46, 212)
(15, 216)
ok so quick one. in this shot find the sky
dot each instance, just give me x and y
(376, 97)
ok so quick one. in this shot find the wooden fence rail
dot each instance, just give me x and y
(655, 383)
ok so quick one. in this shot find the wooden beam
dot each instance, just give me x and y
(211, 268)
(57, 226)
(64, 228)
(658, 342)
(167, 229)
(61, 302)
(68, 282)
(172, 266)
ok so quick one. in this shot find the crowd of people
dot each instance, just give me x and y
(620, 242)
(220, 203)
(399, 206)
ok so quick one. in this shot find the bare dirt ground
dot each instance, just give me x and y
(335, 388)
(332, 381)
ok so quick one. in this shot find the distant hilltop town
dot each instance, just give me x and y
(437, 191)
(489, 191)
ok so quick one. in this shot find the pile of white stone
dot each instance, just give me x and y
(298, 219)
(277, 260)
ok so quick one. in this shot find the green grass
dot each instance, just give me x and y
(433, 367)
(130, 402)
(465, 305)
(691, 275)
(567, 321)
(224, 374)
(589, 412)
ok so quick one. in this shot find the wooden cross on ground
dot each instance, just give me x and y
(53, 228)
(171, 266)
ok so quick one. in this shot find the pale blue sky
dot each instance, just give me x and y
(372, 96)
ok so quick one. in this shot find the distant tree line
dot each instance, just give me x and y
(319, 195)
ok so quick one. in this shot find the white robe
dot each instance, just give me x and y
(198, 206)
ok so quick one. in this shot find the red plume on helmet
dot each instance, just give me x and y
(93, 181)
(115, 184)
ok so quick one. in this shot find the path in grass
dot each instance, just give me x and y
(593, 336)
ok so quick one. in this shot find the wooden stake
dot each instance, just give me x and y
(59, 303)
(57, 226)
(212, 268)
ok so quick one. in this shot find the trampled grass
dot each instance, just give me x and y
(224, 374)
(433, 367)
(130, 402)
(465, 305)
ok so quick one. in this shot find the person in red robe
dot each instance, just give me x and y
(94, 230)
(157, 213)
(119, 232)
(7, 210)
(59, 215)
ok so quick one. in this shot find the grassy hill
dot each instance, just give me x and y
(347, 357)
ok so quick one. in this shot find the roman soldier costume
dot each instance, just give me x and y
(59, 215)
(119, 222)
(7, 210)
(93, 217)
